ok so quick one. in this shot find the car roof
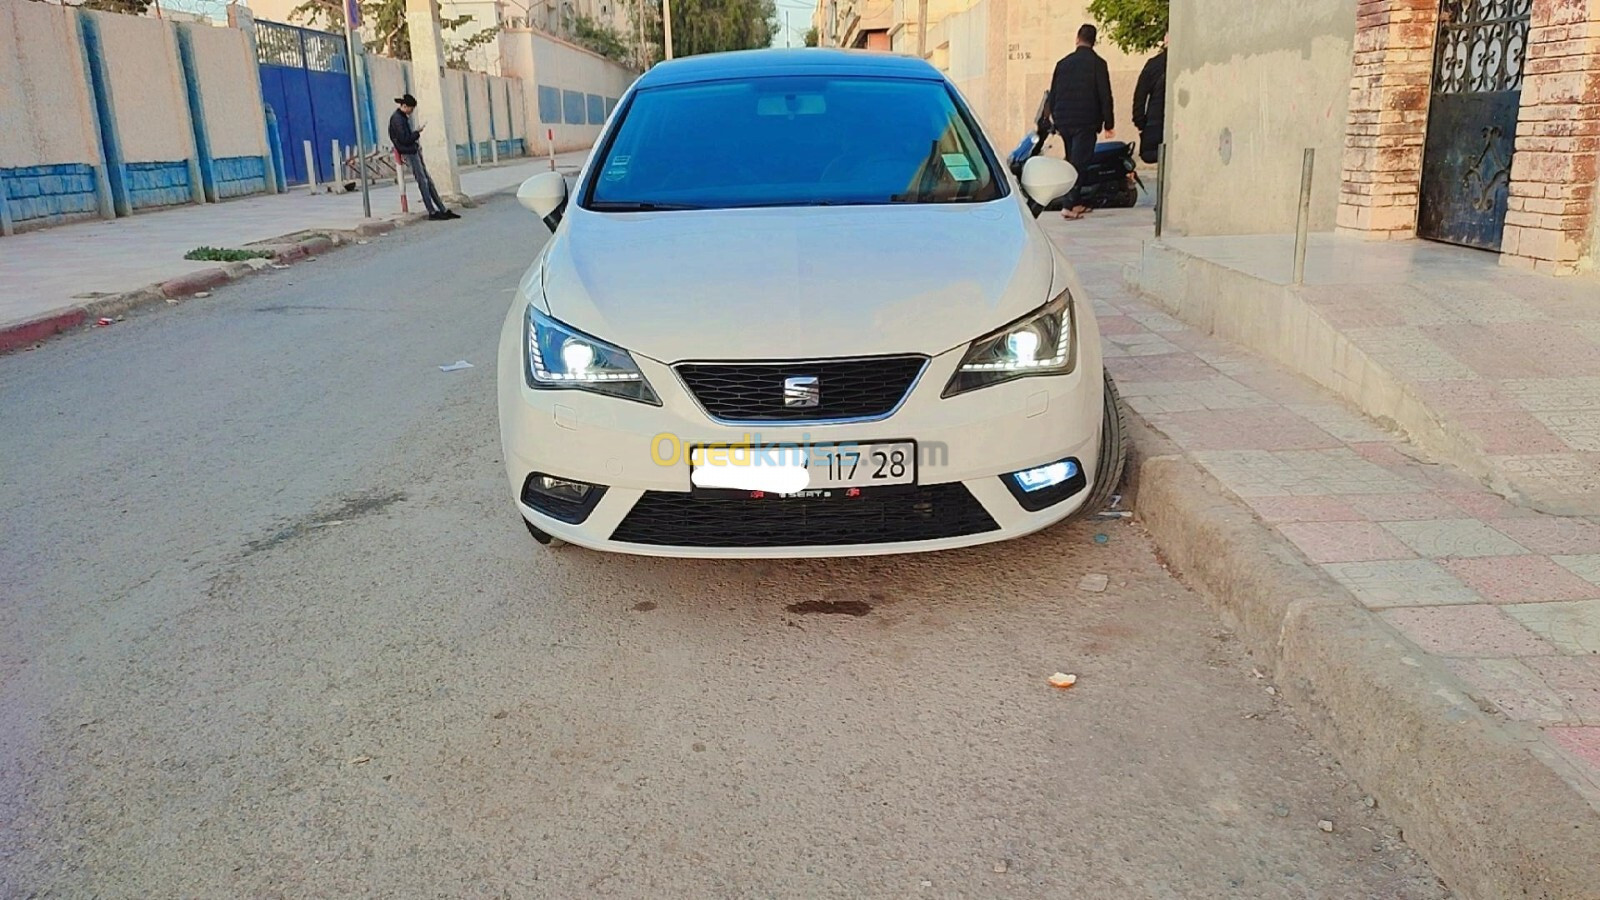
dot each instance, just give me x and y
(766, 63)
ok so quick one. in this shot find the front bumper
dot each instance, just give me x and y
(966, 444)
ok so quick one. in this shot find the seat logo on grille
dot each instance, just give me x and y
(802, 392)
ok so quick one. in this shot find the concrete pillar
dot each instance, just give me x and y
(1388, 119)
(427, 64)
(1555, 173)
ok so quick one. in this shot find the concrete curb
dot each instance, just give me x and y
(1477, 795)
(289, 248)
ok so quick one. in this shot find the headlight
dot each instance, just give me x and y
(560, 357)
(1043, 342)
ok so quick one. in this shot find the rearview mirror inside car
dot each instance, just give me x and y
(1046, 179)
(545, 195)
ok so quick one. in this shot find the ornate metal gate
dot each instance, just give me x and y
(1472, 120)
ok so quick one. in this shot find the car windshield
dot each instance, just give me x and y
(792, 141)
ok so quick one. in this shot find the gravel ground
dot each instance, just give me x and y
(269, 628)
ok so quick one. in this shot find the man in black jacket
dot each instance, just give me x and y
(1080, 106)
(1150, 105)
(405, 143)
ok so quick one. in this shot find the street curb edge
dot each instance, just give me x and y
(1475, 794)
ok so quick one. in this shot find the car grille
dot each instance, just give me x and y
(862, 388)
(925, 513)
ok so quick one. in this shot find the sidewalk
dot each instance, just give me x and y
(1495, 370)
(54, 269)
(1504, 598)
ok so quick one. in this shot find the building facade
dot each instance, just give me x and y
(1471, 122)
(999, 53)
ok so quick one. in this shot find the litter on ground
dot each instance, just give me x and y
(1095, 583)
(1063, 680)
(456, 366)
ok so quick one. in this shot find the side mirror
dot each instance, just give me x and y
(1046, 179)
(545, 195)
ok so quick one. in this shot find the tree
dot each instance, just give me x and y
(712, 26)
(811, 36)
(600, 38)
(1133, 25)
(387, 21)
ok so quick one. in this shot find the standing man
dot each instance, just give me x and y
(404, 139)
(1150, 104)
(1080, 107)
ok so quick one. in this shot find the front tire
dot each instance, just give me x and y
(1113, 453)
(544, 539)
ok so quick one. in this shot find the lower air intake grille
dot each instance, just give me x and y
(927, 513)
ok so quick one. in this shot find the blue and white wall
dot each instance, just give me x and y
(568, 91)
(107, 115)
(50, 164)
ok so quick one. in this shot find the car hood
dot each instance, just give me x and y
(796, 283)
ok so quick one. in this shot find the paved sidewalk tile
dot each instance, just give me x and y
(1454, 537)
(1344, 542)
(1576, 679)
(1480, 631)
(1582, 742)
(1402, 582)
(1585, 567)
(1521, 579)
(1574, 627)
(1517, 689)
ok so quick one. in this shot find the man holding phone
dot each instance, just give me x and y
(404, 139)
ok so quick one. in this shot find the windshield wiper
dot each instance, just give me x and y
(639, 206)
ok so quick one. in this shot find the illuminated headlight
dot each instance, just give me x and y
(561, 357)
(1041, 343)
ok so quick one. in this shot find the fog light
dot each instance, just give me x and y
(1043, 477)
(1042, 487)
(561, 498)
(561, 488)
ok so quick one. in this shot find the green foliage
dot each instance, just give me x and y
(130, 7)
(712, 26)
(385, 21)
(225, 254)
(600, 38)
(1133, 25)
(811, 36)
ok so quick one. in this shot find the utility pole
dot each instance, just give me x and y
(666, 24)
(922, 29)
(427, 75)
(788, 35)
(358, 71)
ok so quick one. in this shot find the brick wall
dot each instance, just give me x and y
(1393, 67)
(1549, 222)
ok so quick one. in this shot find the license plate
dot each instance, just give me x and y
(812, 470)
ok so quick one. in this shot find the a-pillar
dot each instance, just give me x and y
(1388, 117)
(427, 75)
(1550, 219)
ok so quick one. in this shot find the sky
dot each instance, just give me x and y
(799, 21)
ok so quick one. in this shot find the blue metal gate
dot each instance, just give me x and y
(305, 78)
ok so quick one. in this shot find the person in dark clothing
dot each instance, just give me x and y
(405, 143)
(1080, 106)
(1150, 105)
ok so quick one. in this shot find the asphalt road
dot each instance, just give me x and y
(269, 627)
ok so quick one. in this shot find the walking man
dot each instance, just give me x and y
(1080, 107)
(1150, 104)
(404, 139)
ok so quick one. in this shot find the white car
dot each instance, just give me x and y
(795, 307)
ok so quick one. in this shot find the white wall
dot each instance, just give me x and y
(230, 92)
(146, 85)
(1250, 87)
(45, 109)
(544, 61)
